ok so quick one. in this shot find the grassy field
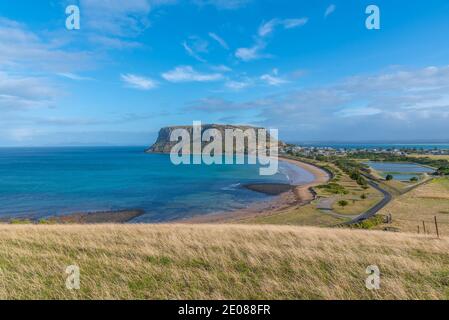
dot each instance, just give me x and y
(307, 215)
(218, 262)
(434, 157)
(358, 201)
(422, 204)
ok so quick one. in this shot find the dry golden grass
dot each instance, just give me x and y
(307, 215)
(219, 262)
(434, 157)
(422, 204)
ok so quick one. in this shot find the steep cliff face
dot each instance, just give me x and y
(164, 145)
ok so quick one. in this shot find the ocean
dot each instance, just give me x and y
(44, 182)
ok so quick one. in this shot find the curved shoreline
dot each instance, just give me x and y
(300, 195)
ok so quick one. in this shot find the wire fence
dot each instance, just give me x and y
(423, 226)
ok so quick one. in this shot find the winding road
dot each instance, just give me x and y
(379, 206)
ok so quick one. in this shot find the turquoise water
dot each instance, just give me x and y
(41, 182)
(400, 171)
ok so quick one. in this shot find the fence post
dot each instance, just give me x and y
(424, 227)
(436, 227)
(418, 229)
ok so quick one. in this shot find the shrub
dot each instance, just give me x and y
(20, 221)
(333, 188)
(343, 203)
(369, 223)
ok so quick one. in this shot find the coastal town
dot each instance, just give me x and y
(345, 151)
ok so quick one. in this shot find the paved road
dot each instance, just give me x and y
(379, 206)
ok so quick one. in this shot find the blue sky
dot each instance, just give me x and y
(309, 68)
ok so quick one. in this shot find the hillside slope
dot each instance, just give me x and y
(219, 262)
(422, 204)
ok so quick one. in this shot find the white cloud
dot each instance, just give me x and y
(267, 28)
(188, 74)
(198, 46)
(73, 76)
(26, 92)
(24, 50)
(223, 4)
(121, 18)
(221, 68)
(273, 79)
(114, 43)
(404, 104)
(238, 85)
(294, 23)
(220, 40)
(110, 23)
(253, 53)
(138, 82)
(358, 112)
(331, 9)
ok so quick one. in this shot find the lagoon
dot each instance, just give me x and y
(400, 171)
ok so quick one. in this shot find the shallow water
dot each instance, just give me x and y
(40, 182)
(400, 171)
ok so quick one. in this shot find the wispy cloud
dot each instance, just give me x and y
(223, 4)
(388, 105)
(252, 53)
(18, 92)
(114, 43)
(255, 52)
(21, 49)
(138, 82)
(273, 79)
(331, 9)
(188, 74)
(112, 24)
(221, 68)
(194, 52)
(267, 28)
(237, 85)
(73, 76)
(220, 40)
(124, 18)
(358, 112)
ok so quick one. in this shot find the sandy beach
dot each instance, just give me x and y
(297, 196)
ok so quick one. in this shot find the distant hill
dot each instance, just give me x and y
(164, 145)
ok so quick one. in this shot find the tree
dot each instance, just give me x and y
(389, 177)
(363, 196)
(343, 203)
(414, 179)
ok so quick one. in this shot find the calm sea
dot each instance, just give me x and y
(42, 182)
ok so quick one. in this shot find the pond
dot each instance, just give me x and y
(400, 170)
